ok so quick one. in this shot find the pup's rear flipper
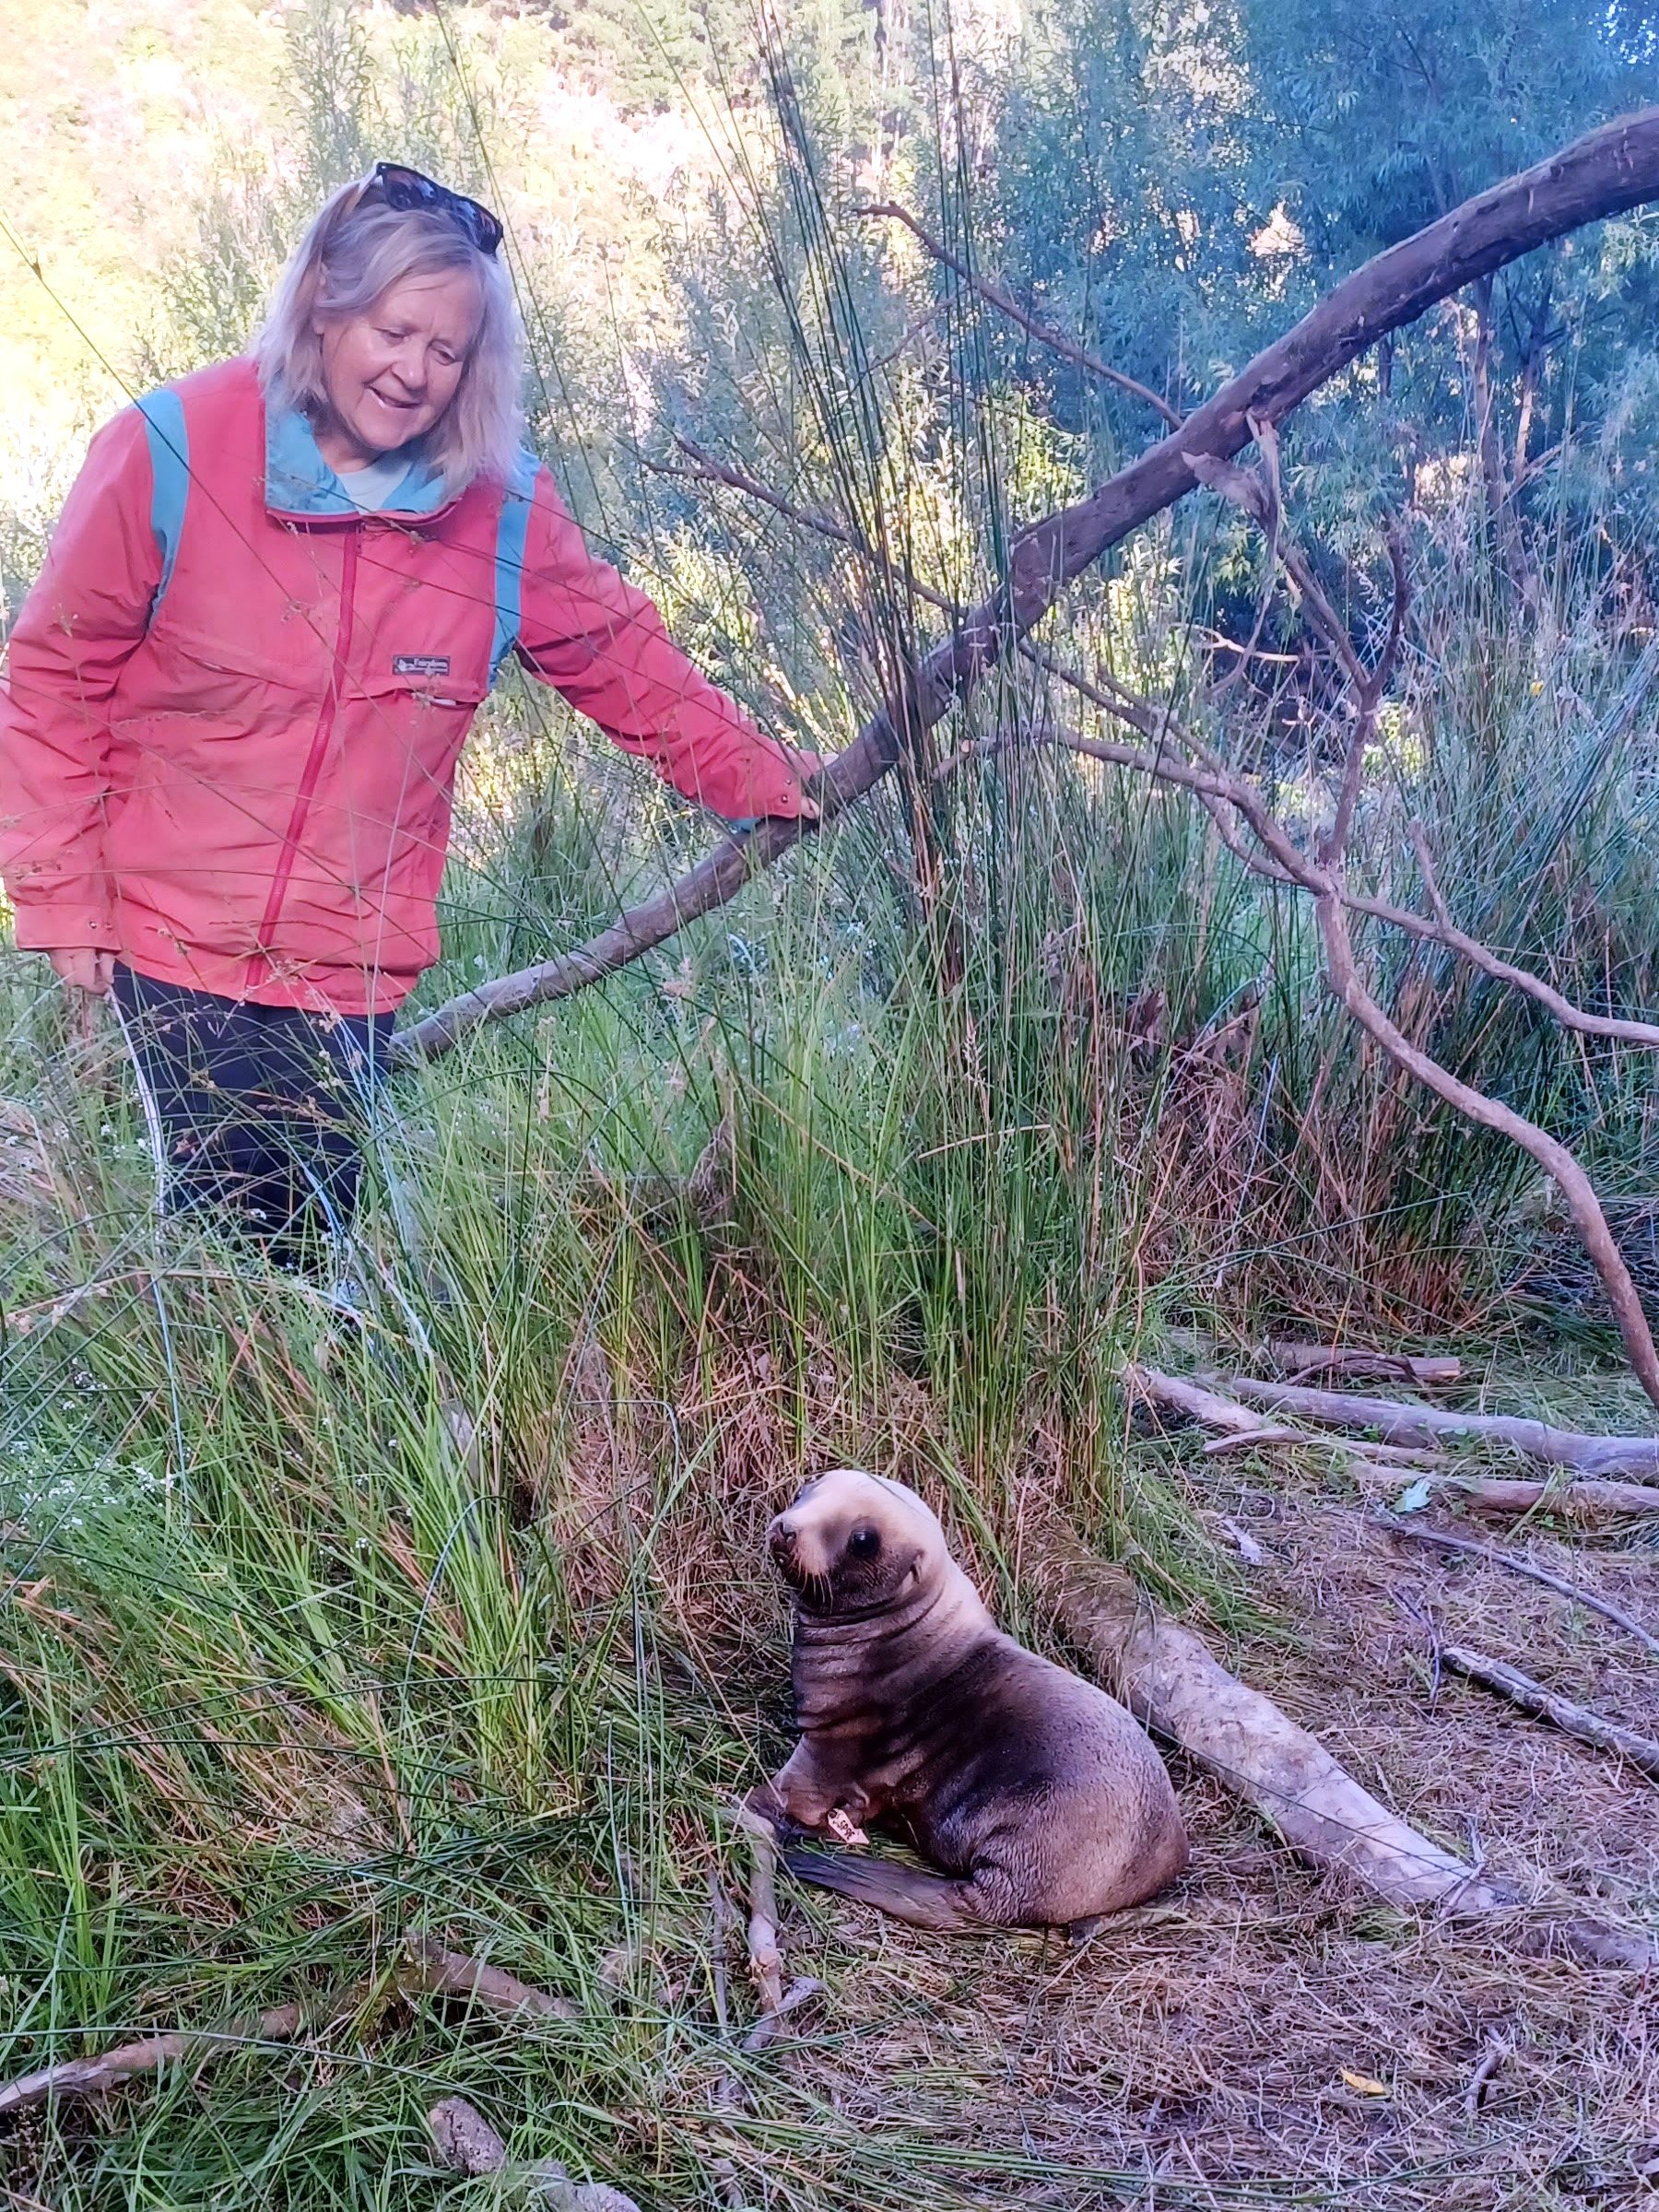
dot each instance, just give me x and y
(926, 1901)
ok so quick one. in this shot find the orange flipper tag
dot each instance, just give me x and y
(844, 1828)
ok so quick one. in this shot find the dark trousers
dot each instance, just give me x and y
(256, 1112)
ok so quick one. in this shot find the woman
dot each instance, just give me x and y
(279, 590)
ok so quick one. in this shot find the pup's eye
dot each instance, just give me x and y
(863, 1542)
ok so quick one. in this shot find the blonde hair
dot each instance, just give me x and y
(355, 251)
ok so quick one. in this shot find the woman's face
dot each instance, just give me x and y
(391, 371)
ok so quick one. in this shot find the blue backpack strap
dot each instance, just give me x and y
(513, 527)
(168, 444)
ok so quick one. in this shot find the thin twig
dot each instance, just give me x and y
(993, 293)
(766, 1961)
(1590, 1727)
(1495, 2053)
(1442, 1539)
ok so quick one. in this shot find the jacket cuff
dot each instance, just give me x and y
(46, 926)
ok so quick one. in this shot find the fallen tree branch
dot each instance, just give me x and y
(425, 1967)
(437, 1973)
(1590, 1727)
(1601, 174)
(1397, 1423)
(766, 1962)
(1581, 1499)
(1512, 1563)
(1576, 1187)
(1170, 1681)
(1297, 1361)
(91, 2077)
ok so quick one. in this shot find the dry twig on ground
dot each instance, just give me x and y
(424, 1967)
(1640, 1751)
(1512, 1563)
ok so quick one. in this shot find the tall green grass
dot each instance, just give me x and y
(316, 1634)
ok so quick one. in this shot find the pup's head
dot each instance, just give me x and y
(853, 1542)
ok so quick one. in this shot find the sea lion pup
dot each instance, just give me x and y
(1039, 1795)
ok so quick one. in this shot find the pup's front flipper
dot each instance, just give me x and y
(926, 1901)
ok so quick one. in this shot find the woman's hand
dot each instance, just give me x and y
(809, 765)
(84, 968)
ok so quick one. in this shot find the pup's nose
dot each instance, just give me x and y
(781, 1541)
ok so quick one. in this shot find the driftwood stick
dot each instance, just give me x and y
(425, 1966)
(1171, 1682)
(150, 2053)
(1600, 174)
(437, 1973)
(1444, 1540)
(1590, 1727)
(1404, 1424)
(1206, 1406)
(1577, 1498)
(1298, 1361)
(766, 1962)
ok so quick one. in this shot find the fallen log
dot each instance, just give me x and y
(1243, 1428)
(1174, 1685)
(1399, 1423)
(1590, 1727)
(1582, 1498)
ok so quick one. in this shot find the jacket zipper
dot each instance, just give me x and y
(260, 960)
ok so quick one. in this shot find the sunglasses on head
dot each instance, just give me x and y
(403, 188)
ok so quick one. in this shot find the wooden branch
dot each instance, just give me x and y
(1585, 1500)
(437, 1973)
(91, 2077)
(766, 1961)
(1601, 174)
(425, 1966)
(1295, 1361)
(1512, 1563)
(1045, 334)
(1169, 1678)
(1640, 1751)
(1399, 1423)
(1241, 1429)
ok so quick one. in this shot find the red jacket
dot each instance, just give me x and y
(233, 704)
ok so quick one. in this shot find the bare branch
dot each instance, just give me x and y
(1550, 1154)
(1044, 334)
(1603, 173)
(1590, 1727)
(1399, 1423)
(1512, 1563)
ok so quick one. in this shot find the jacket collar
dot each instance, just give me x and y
(300, 484)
